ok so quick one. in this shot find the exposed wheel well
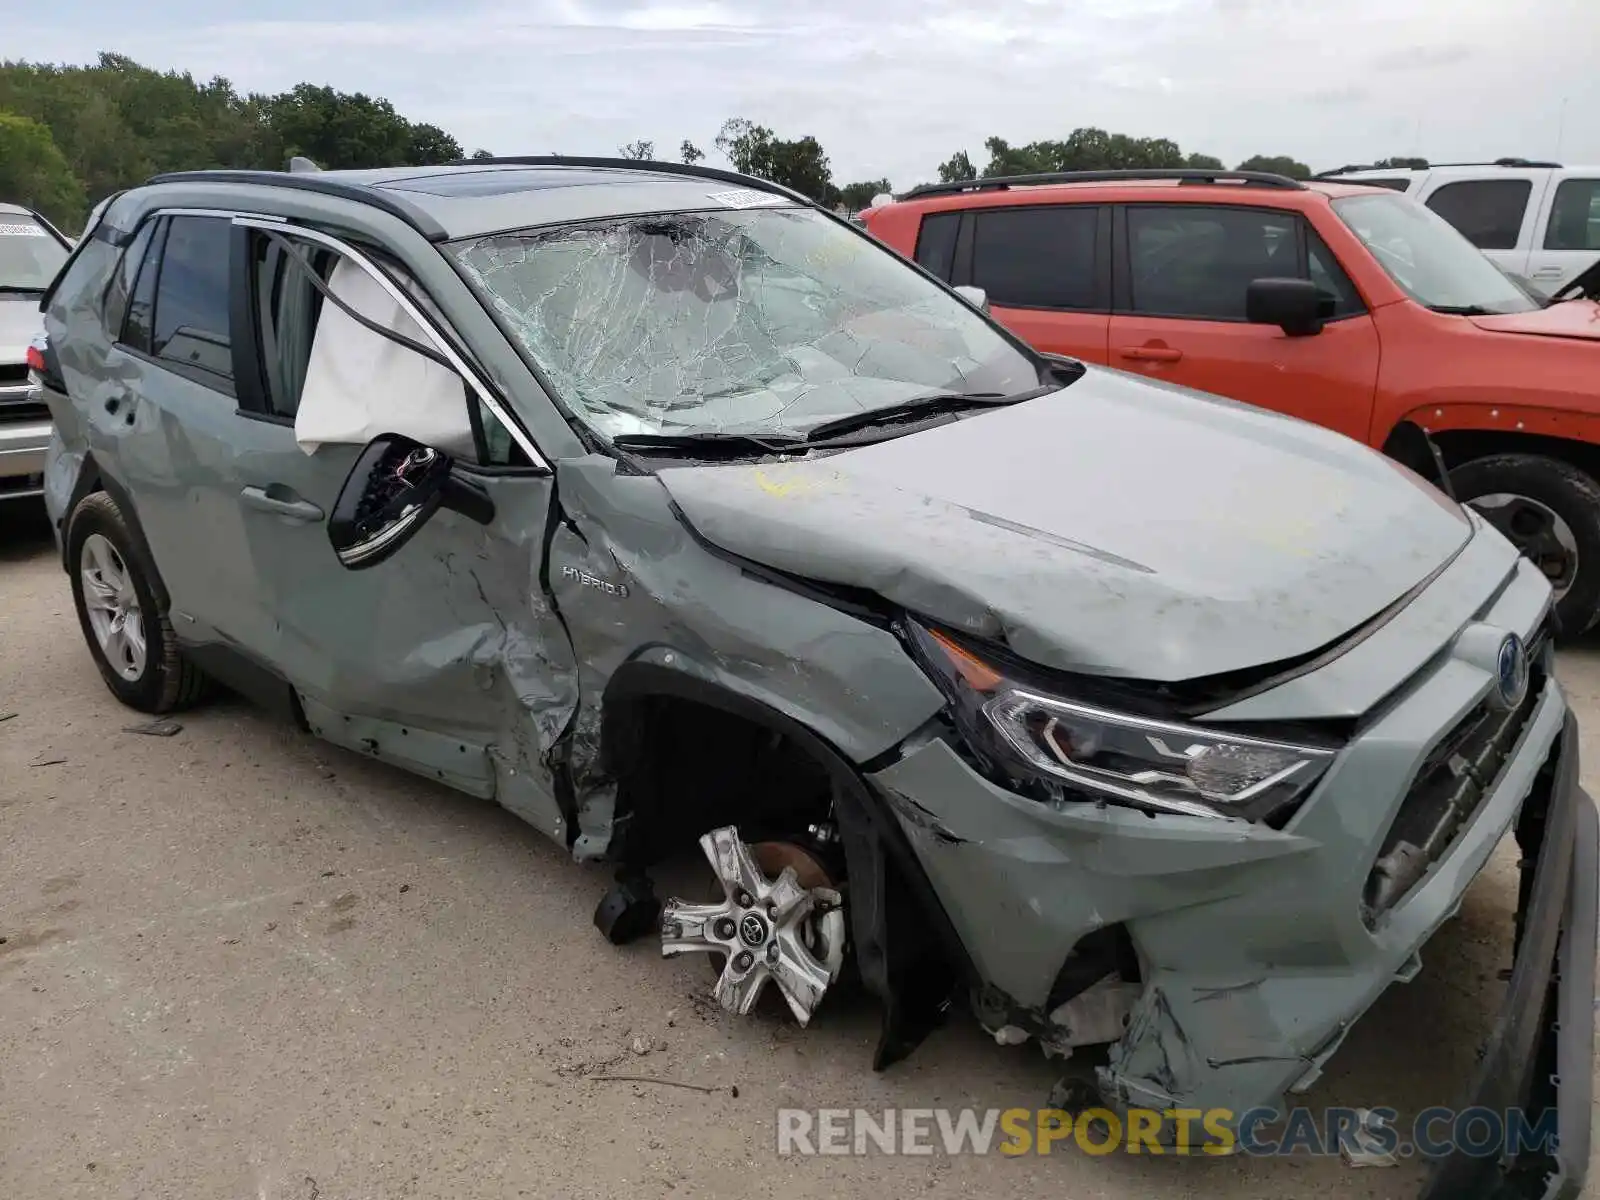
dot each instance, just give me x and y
(1463, 445)
(685, 765)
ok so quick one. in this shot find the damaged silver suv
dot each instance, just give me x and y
(661, 506)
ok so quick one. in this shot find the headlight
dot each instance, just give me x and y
(1101, 754)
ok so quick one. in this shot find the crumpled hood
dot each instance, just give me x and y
(20, 320)
(1118, 527)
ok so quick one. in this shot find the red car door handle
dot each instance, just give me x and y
(1150, 353)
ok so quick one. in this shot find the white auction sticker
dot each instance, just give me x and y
(747, 198)
(21, 231)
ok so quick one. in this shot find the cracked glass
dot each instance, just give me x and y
(770, 320)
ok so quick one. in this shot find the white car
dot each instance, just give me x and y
(31, 252)
(1537, 220)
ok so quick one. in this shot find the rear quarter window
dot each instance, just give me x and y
(936, 244)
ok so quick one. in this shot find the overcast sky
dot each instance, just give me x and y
(893, 87)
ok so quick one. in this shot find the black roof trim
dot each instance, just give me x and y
(1521, 163)
(683, 170)
(1182, 174)
(320, 182)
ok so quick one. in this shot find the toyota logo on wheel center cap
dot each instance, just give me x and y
(752, 929)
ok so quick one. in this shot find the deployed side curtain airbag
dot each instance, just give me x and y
(360, 384)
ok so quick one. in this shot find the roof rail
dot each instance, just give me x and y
(319, 181)
(691, 170)
(1522, 163)
(1181, 174)
(1332, 172)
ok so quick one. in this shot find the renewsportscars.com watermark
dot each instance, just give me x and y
(1360, 1135)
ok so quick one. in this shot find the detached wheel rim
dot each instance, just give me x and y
(1538, 531)
(113, 607)
(765, 930)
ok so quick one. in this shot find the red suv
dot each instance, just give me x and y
(1350, 306)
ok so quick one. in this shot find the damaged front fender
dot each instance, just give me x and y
(636, 589)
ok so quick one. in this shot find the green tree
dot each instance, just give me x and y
(1004, 159)
(1396, 164)
(799, 164)
(480, 155)
(1280, 164)
(117, 123)
(856, 196)
(430, 146)
(689, 152)
(342, 129)
(35, 173)
(1085, 149)
(1203, 162)
(639, 151)
(956, 168)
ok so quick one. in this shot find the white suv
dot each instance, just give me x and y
(1537, 220)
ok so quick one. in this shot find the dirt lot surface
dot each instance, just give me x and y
(240, 963)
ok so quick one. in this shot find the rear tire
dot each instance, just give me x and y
(1545, 495)
(148, 671)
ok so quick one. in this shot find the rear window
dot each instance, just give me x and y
(30, 255)
(1036, 257)
(1488, 212)
(936, 244)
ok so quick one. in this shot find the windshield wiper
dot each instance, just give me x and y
(922, 406)
(710, 443)
(20, 289)
(1465, 310)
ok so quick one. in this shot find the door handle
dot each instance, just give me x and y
(1549, 273)
(1150, 353)
(281, 502)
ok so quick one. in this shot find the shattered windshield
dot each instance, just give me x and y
(772, 320)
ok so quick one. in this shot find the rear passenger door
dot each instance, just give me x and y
(168, 432)
(1568, 231)
(1182, 272)
(1045, 268)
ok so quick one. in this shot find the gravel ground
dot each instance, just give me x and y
(241, 963)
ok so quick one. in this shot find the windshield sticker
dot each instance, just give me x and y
(22, 231)
(747, 198)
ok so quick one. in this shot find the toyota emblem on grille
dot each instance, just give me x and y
(1511, 671)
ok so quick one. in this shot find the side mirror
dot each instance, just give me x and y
(394, 488)
(1295, 305)
(975, 296)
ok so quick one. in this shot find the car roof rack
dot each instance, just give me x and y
(1522, 163)
(689, 170)
(1181, 174)
(318, 181)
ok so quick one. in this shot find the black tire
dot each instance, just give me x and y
(168, 681)
(1564, 490)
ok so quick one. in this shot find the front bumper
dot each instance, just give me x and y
(1540, 1054)
(1257, 947)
